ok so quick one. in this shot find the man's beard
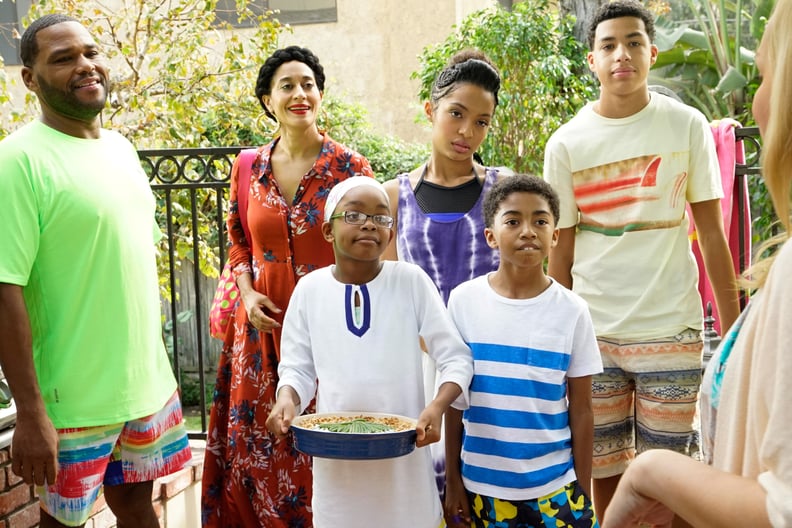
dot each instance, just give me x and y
(68, 104)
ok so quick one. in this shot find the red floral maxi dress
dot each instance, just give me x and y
(250, 479)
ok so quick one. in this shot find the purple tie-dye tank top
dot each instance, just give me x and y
(451, 252)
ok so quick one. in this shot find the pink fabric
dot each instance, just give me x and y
(729, 152)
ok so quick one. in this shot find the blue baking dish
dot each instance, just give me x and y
(353, 446)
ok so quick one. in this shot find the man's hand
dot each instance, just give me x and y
(34, 449)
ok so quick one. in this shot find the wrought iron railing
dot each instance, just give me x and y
(192, 175)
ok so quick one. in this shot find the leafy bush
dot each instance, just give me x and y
(345, 122)
(388, 155)
(191, 391)
(709, 60)
(170, 63)
(179, 81)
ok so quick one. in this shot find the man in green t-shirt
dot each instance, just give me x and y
(82, 347)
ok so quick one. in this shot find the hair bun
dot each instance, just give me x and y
(447, 76)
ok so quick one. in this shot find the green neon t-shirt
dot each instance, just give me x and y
(78, 218)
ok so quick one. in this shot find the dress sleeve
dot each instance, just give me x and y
(362, 166)
(354, 163)
(239, 253)
(770, 378)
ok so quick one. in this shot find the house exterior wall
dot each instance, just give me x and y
(369, 54)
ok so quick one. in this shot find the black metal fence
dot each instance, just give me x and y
(191, 186)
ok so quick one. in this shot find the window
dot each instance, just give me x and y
(11, 14)
(290, 11)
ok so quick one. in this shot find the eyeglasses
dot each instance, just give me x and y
(358, 218)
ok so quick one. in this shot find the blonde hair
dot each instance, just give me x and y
(777, 138)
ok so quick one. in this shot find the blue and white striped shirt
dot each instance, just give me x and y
(517, 443)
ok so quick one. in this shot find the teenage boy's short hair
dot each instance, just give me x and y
(519, 183)
(619, 9)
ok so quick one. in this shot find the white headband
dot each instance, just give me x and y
(338, 192)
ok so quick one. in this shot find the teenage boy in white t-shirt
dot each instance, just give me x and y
(625, 167)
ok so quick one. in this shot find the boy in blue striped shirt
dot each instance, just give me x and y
(521, 454)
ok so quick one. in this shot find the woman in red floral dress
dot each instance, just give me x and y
(250, 478)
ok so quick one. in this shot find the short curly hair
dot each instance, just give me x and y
(278, 58)
(619, 9)
(519, 183)
(28, 45)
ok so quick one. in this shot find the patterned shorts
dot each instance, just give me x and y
(568, 507)
(135, 451)
(645, 399)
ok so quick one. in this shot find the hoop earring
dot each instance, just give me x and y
(322, 121)
(264, 125)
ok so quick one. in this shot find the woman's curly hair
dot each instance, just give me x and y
(279, 57)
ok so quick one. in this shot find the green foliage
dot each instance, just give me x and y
(172, 62)
(14, 112)
(179, 78)
(167, 331)
(388, 156)
(764, 222)
(709, 60)
(542, 79)
(191, 391)
(345, 122)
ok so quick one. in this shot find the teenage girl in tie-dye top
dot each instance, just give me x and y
(437, 206)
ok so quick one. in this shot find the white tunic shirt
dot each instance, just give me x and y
(369, 359)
